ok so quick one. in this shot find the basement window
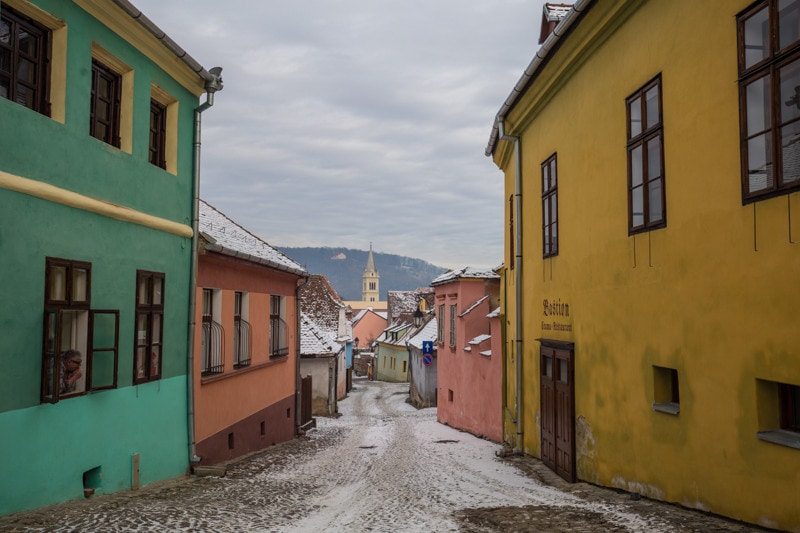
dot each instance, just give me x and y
(778, 412)
(666, 393)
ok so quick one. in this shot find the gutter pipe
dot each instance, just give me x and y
(518, 346)
(498, 133)
(298, 379)
(572, 16)
(212, 87)
(158, 33)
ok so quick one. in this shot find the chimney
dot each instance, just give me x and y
(551, 16)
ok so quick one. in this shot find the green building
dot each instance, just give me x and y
(98, 187)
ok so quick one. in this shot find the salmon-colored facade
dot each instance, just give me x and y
(367, 327)
(244, 400)
(469, 367)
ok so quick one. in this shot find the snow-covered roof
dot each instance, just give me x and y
(429, 332)
(480, 338)
(472, 307)
(229, 238)
(314, 340)
(466, 272)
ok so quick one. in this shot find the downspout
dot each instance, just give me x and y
(298, 379)
(212, 86)
(517, 279)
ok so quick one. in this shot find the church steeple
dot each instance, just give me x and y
(369, 289)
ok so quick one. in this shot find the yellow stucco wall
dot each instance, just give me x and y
(713, 295)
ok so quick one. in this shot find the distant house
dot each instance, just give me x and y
(469, 361)
(322, 358)
(423, 363)
(322, 304)
(368, 325)
(391, 353)
(246, 339)
(97, 179)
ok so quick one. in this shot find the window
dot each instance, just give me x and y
(278, 338)
(646, 196)
(148, 347)
(549, 208)
(769, 98)
(452, 326)
(24, 57)
(778, 412)
(80, 345)
(212, 353)
(666, 394)
(440, 325)
(158, 134)
(241, 330)
(105, 104)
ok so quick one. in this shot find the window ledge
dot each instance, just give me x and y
(670, 408)
(782, 437)
(242, 370)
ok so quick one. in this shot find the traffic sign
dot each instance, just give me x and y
(427, 346)
(427, 360)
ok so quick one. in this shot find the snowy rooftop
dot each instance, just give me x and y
(466, 272)
(314, 340)
(472, 307)
(480, 338)
(429, 332)
(229, 238)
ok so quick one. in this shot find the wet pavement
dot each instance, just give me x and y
(382, 466)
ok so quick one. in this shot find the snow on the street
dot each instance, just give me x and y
(382, 466)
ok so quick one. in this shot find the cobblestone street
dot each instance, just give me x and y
(381, 466)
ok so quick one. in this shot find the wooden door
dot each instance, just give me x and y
(558, 408)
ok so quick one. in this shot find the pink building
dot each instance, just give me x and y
(367, 327)
(469, 358)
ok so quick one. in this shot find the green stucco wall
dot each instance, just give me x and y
(46, 448)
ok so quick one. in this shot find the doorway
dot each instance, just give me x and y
(557, 405)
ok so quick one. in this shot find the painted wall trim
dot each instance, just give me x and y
(61, 196)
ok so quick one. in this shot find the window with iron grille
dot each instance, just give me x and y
(212, 353)
(105, 104)
(278, 334)
(549, 207)
(158, 134)
(24, 58)
(149, 326)
(80, 345)
(241, 330)
(769, 98)
(646, 196)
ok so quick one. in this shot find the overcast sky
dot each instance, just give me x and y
(345, 122)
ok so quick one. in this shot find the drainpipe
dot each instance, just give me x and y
(517, 278)
(212, 86)
(298, 383)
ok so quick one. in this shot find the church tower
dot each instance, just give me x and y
(369, 285)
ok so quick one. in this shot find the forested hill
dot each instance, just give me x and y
(344, 267)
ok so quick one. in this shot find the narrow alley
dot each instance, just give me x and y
(381, 466)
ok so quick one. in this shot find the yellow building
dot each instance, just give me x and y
(652, 258)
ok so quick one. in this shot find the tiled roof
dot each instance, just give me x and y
(314, 340)
(320, 301)
(429, 332)
(225, 236)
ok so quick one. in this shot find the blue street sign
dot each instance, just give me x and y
(427, 360)
(427, 346)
